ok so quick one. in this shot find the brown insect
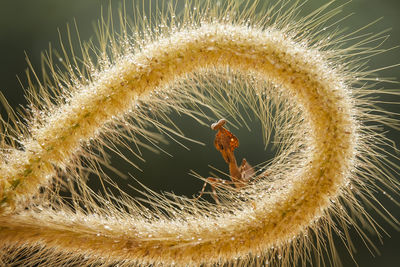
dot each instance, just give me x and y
(225, 142)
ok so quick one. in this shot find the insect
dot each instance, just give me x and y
(225, 142)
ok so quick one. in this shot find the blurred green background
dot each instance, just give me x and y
(29, 26)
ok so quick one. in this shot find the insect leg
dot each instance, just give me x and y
(214, 183)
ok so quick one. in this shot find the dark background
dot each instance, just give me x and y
(27, 25)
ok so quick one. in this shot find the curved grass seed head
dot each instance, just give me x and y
(238, 60)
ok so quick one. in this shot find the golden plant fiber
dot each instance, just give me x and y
(331, 153)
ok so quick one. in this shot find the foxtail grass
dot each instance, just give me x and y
(305, 84)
